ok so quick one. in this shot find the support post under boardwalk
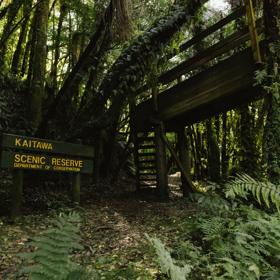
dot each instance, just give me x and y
(76, 188)
(133, 136)
(16, 193)
(161, 164)
(184, 155)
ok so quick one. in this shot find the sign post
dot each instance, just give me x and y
(76, 188)
(26, 153)
(16, 193)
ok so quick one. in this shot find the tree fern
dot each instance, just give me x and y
(51, 257)
(265, 192)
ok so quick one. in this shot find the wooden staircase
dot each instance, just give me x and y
(145, 159)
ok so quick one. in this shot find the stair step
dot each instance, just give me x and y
(147, 184)
(142, 147)
(147, 180)
(143, 151)
(146, 164)
(148, 177)
(147, 161)
(145, 138)
(147, 174)
(146, 154)
(141, 168)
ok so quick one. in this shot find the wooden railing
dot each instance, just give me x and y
(235, 40)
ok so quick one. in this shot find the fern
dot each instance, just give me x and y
(50, 259)
(265, 192)
(166, 262)
(229, 239)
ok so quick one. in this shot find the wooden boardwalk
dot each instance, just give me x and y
(205, 83)
(219, 88)
(223, 79)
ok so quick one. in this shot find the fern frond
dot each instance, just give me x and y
(51, 259)
(167, 263)
(265, 192)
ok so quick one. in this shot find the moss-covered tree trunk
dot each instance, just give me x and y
(213, 153)
(224, 151)
(62, 15)
(37, 66)
(248, 147)
(13, 10)
(272, 129)
(22, 38)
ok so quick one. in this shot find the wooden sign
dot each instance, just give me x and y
(21, 160)
(45, 145)
(21, 152)
(17, 153)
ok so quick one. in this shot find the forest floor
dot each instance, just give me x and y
(113, 233)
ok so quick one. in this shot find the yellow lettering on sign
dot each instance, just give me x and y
(17, 158)
(25, 144)
(17, 142)
(28, 143)
(64, 162)
(29, 159)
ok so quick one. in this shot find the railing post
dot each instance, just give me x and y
(253, 30)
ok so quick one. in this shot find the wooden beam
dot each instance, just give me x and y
(234, 40)
(236, 72)
(161, 164)
(215, 27)
(205, 33)
(215, 107)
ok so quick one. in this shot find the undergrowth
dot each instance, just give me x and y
(234, 234)
(228, 237)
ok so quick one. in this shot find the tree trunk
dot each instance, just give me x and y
(272, 129)
(213, 153)
(90, 58)
(12, 13)
(21, 40)
(38, 63)
(62, 15)
(224, 154)
(128, 72)
(248, 146)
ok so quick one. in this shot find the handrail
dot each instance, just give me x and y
(253, 30)
(205, 33)
(232, 41)
(215, 27)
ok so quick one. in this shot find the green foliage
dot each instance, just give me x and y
(50, 259)
(227, 240)
(130, 272)
(265, 192)
(166, 262)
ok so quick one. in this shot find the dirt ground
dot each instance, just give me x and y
(113, 230)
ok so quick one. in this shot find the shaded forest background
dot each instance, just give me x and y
(69, 70)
